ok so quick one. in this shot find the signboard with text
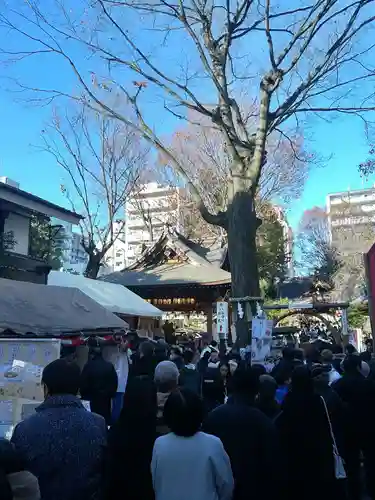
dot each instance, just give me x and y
(262, 328)
(222, 323)
(21, 366)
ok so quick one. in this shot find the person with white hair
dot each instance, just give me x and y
(166, 380)
(365, 369)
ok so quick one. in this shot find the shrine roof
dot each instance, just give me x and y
(172, 260)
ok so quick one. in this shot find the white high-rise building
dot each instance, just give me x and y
(147, 213)
(73, 254)
(77, 252)
(351, 218)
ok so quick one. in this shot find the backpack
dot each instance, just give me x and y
(190, 379)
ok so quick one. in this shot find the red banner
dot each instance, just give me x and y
(370, 278)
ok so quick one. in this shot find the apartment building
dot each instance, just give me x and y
(147, 212)
(351, 217)
(69, 242)
(77, 252)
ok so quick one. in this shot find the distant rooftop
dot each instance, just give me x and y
(353, 192)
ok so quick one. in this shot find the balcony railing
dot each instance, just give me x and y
(23, 267)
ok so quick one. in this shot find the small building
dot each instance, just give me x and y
(17, 207)
(175, 275)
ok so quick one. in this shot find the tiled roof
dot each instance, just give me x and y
(154, 268)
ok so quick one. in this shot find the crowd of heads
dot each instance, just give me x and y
(292, 385)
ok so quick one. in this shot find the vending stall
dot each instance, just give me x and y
(34, 321)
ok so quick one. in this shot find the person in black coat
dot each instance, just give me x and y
(266, 400)
(336, 407)
(213, 388)
(176, 357)
(307, 446)
(99, 384)
(250, 440)
(15, 481)
(189, 375)
(285, 364)
(358, 393)
(144, 361)
(130, 445)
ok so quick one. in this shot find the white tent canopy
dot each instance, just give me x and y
(42, 310)
(115, 298)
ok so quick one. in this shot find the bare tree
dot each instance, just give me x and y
(317, 254)
(102, 160)
(202, 151)
(198, 56)
(367, 168)
(332, 252)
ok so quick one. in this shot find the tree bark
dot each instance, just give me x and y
(93, 266)
(242, 227)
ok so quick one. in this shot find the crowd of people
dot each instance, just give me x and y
(194, 425)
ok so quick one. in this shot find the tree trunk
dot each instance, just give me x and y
(93, 266)
(242, 225)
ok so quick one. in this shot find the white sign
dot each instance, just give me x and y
(260, 349)
(222, 319)
(300, 305)
(262, 328)
(344, 322)
(21, 365)
(120, 361)
(355, 338)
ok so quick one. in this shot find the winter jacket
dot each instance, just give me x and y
(269, 407)
(358, 393)
(161, 427)
(191, 468)
(16, 483)
(337, 411)
(128, 461)
(143, 366)
(190, 379)
(19, 486)
(5, 489)
(307, 448)
(98, 379)
(24, 486)
(64, 447)
(213, 390)
(250, 440)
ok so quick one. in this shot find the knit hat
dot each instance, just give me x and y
(166, 372)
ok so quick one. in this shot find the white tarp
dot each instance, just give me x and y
(116, 298)
(40, 309)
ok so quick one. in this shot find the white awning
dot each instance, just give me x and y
(42, 310)
(116, 298)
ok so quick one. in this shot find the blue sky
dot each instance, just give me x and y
(342, 142)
